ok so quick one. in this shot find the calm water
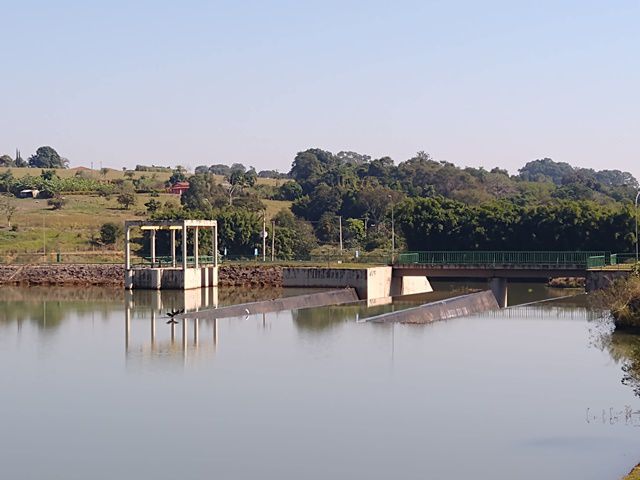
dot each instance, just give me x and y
(526, 393)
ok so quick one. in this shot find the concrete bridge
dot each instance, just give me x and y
(497, 266)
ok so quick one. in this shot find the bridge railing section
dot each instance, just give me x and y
(496, 258)
(614, 261)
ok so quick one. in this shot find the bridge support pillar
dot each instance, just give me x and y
(499, 288)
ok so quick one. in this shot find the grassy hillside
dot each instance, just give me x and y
(73, 227)
(113, 174)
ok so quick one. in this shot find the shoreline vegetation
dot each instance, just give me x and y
(622, 300)
(633, 474)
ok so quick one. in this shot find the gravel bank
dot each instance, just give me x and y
(113, 275)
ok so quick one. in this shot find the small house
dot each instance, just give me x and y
(30, 193)
(179, 187)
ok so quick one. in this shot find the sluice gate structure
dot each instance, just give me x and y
(176, 271)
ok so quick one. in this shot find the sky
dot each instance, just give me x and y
(491, 83)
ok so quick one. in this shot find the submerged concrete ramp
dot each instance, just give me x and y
(333, 297)
(442, 310)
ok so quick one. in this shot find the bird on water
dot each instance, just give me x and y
(172, 314)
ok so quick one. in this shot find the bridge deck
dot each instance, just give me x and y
(513, 264)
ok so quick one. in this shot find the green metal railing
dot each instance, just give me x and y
(166, 261)
(621, 260)
(500, 258)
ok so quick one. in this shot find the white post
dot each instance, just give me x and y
(273, 240)
(184, 246)
(340, 219)
(393, 235)
(173, 248)
(195, 247)
(264, 236)
(153, 247)
(215, 245)
(635, 214)
(127, 248)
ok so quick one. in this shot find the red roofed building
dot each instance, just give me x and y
(179, 187)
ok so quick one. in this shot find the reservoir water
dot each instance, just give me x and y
(531, 392)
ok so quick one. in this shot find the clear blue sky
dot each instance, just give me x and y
(492, 83)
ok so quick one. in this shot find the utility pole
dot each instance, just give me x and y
(340, 226)
(264, 236)
(635, 212)
(273, 240)
(393, 230)
(44, 240)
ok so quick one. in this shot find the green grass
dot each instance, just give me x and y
(274, 206)
(72, 228)
(68, 229)
(113, 174)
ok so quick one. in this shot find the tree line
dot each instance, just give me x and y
(547, 205)
(45, 157)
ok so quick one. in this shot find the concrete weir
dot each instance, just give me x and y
(442, 310)
(334, 297)
(370, 283)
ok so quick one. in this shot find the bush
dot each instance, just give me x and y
(126, 199)
(109, 233)
(622, 299)
(56, 203)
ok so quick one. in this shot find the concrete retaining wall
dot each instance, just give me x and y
(171, 278)
(370, 283)
(599, 279)
(442, 310)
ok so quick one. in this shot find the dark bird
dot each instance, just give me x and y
(172, 314)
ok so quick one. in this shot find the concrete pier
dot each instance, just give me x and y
(369, 283)
(499, 288)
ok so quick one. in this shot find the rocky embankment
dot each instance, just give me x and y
(113, 275)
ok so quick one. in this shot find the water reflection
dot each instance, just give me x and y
(509, 390)
(624, 348)
(162, 336)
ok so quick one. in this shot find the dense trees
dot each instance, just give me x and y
(442, 224)
(549, 205)
(47, 157)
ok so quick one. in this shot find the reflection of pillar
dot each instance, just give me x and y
(153, 246)
(127, 248)
(173, 332)
(195, 331)
(127, 328)
(184, 246)
(195, 246)
(153, 327)
(499, 288)
(173, 247)
(184, 334)
(215, 331)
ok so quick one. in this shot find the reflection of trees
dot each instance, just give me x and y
(317, 319)
(47, 307)
(624, 348)
(235, 295)
(39, 294)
